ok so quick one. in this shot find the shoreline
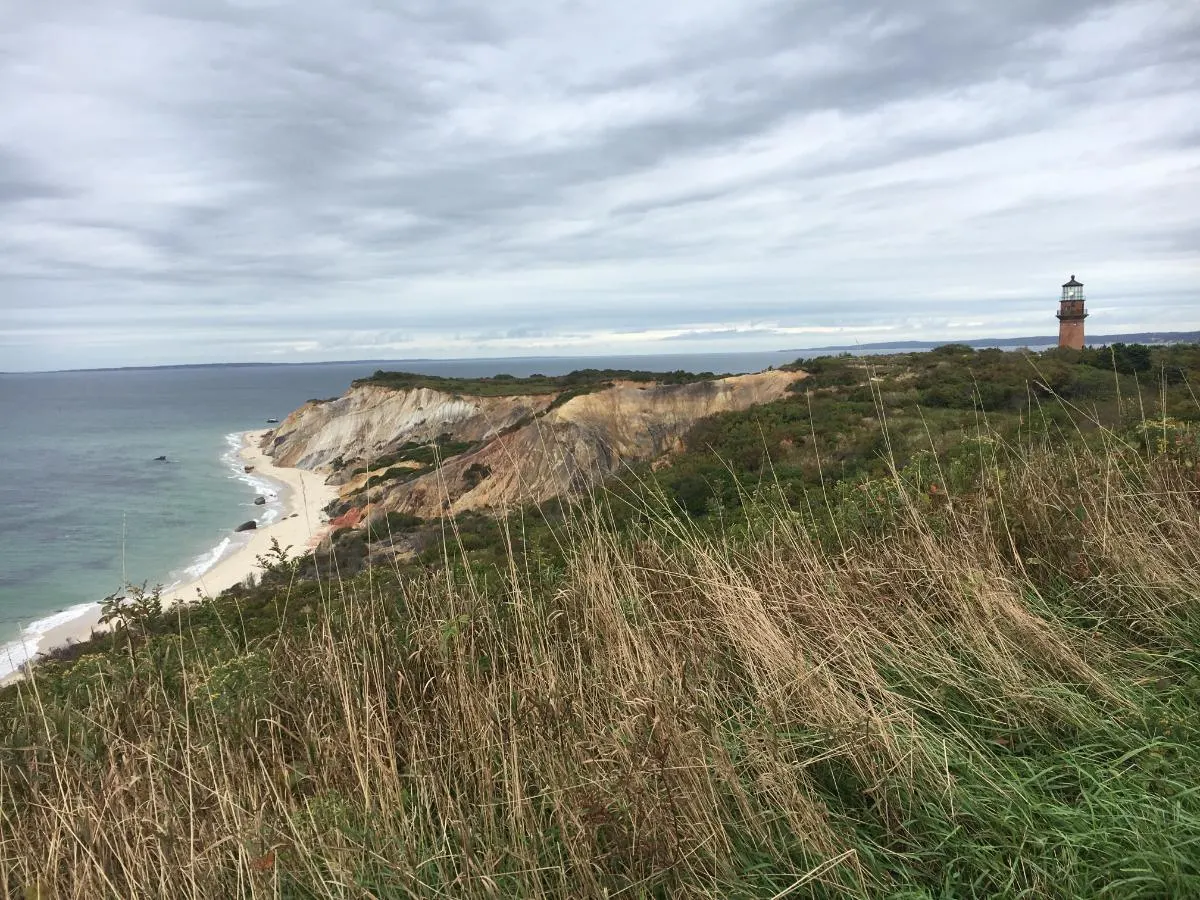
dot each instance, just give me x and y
(300, 524)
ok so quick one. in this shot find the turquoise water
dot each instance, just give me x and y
(84, 506)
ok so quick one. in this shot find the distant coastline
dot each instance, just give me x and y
(170, 367)
(598, 360)
(1044, 340)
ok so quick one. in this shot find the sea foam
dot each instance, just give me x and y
(16, 653)
(268, 513)
(206, 561)
(233, 458)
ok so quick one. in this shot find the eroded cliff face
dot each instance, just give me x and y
(368, 421)
(527, 452)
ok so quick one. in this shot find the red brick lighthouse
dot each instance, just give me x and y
(1071, 315)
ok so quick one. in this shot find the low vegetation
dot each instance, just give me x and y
(410, 461)
(890, 643)
(429, 454)
(578, 382)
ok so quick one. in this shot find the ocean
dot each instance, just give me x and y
(85, 506)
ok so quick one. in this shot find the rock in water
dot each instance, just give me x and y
(247, 526)
(260, 500)
(160, 459)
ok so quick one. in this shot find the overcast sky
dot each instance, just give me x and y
(193, 180)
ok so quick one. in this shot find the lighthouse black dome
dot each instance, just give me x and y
(1073, 283)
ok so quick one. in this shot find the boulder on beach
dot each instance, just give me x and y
(260, 500)
(247, 468)
(247, 526)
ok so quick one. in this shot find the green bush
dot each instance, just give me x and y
(1126, 359)
(830, 371)
(392, 524)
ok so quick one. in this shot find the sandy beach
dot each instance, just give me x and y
(301, 525)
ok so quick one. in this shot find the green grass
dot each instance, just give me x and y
(855, 417)
(854, 688)
(428, 455)
(385, 469)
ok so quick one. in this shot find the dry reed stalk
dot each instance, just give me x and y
(668, 704)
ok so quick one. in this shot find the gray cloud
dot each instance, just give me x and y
(185, 180)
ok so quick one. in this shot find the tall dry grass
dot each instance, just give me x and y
(959, 697)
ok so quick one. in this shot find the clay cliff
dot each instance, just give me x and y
(430, 453)
(368, 420)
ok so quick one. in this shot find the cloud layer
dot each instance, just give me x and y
(203, 181)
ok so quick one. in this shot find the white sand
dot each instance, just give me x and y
(301, 493)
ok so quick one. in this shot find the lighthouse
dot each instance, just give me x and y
(1071, 315)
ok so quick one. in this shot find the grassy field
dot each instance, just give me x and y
(966, 671)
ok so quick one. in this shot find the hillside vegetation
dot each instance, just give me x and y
(927, 628)
(852, 418)
(503, 385)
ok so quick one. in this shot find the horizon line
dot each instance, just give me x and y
(915, 342)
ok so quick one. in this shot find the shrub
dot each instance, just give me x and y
(475, 473)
